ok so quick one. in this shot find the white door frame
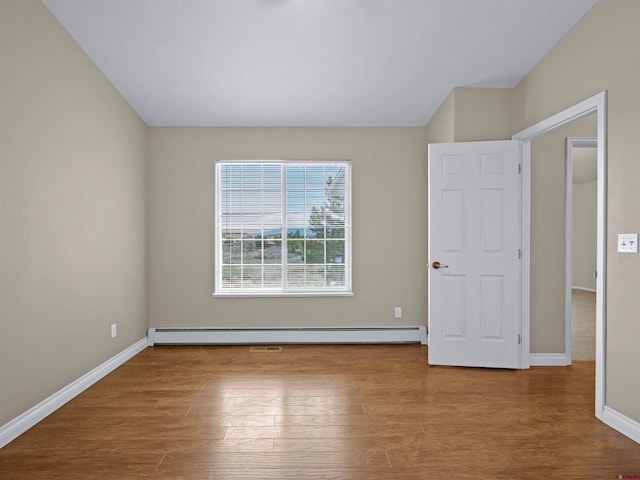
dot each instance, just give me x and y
(597, 104)
(571, 143)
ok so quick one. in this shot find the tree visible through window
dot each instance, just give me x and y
(283, 227)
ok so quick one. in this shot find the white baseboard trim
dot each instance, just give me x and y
(239, 336)
(16, 427)
(621, 423)
(548, 360)
(586, 289)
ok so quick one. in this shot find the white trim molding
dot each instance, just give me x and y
(320, 335)
(625, 425)
(16, 427)
(549, 360)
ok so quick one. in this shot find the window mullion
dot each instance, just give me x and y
(305, 229)
(262, 212)
(242, 203)
(285, 225)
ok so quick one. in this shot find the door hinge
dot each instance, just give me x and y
(519, 339)
(519, 168)
(519, 254)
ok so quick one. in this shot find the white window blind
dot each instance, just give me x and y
(283, 227)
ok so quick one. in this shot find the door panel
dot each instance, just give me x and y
(453, 226)
(454, 287)
(491, 303)
(474, 233)
(491, 221)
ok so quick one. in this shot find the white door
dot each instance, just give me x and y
(474, 254)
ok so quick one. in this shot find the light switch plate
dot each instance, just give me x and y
(628, 242)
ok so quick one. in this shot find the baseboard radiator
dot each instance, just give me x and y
(251, 336)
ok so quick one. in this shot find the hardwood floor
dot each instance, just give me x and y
(323, 412)
(583, 325)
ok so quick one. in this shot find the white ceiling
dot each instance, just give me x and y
(310, 62)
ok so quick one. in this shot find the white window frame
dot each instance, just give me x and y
(346, 290)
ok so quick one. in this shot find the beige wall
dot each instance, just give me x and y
(600, 53)
(72, 242)
(482, 114)
(389, 179)
(583, 240)
(472, 114)
(441, 127)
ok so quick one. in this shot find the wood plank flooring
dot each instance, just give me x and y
(583, 325)
(323, 412)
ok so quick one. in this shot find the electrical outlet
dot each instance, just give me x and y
(398, 312)
(628, 242)
(114, 330)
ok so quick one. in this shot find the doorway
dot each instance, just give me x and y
(580, 247)
(597, 105)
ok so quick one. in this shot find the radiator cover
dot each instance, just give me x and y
(251, 336)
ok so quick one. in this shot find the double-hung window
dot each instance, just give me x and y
(283, 228)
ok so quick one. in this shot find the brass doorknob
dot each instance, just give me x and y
(436, 265)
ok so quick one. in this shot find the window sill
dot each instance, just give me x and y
(281, 294)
